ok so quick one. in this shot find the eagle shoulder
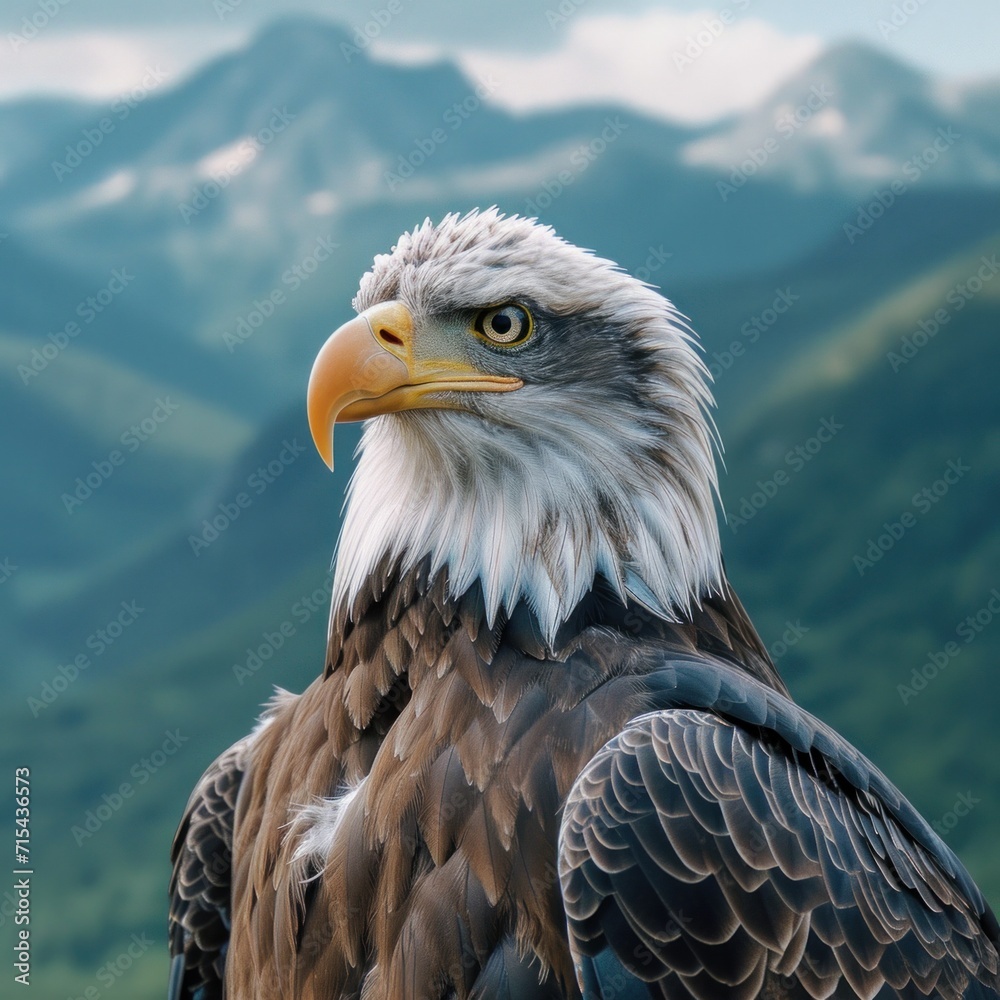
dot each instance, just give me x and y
(731, 841)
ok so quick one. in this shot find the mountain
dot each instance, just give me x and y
(326, 156)
(208, 243)
(856, 119)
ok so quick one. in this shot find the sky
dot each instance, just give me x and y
(683, 60)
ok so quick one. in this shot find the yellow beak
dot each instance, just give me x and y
(371, 366)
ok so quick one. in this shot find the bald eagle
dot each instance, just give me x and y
(548, 755)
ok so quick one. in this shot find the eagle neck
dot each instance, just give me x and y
(529, 520)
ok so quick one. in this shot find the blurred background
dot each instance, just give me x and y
(189, 193)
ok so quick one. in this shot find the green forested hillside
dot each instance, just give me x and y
(916, 454)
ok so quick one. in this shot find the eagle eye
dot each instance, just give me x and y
(508, 325)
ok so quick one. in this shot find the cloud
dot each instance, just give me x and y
(690, 67)
(686, 67)
(99, 65)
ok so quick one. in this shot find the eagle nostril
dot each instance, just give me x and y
(390, 338)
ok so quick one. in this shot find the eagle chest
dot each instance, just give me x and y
(441, 874)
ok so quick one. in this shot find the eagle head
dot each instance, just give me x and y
(536, 420)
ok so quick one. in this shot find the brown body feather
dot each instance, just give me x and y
(469, 737)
